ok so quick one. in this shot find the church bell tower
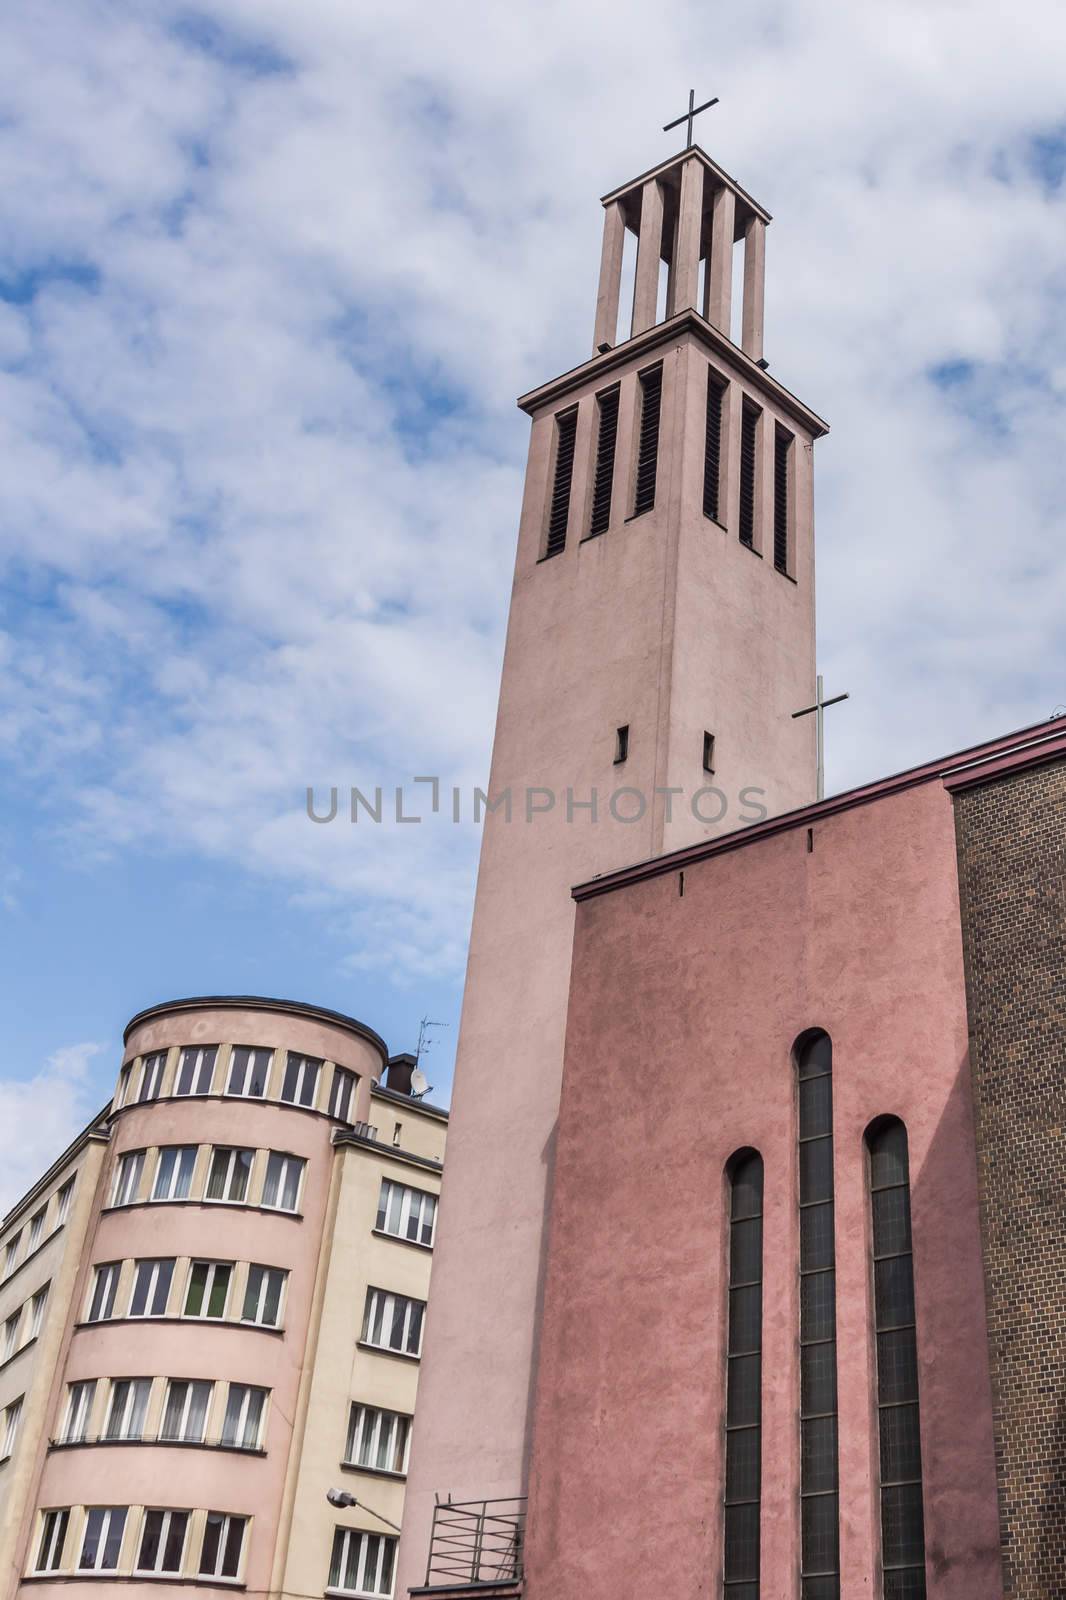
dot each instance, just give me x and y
(661, 635)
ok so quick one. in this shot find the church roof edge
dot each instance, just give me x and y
(673, 161)
(982, 763)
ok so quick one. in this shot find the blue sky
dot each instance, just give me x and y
(270, 279)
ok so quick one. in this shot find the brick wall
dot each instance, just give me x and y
(1012, 873)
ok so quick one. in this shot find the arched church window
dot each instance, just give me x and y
(819, 1493)
(743, 1429)
(899, 1438)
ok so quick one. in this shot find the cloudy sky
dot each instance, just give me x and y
(270, 278)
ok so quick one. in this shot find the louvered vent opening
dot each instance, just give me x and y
(782, 442)
(712, 458)
(566, 434)
(651, 393)
(600, 519)
(749, 430)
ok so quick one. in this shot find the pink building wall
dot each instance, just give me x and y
(683, 1013)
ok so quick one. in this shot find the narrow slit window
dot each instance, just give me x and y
(899, 1434)
(712, 453)
(749, 448)
(621, 745)
(743, 1429)
(559, 510)
(782, 458)
(819, 1488)
(651, 395)
(708, 752)
(606, 440)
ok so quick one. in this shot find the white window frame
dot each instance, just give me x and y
(246, 1056)
(11, 1250)
(11, 1334)
(343, 1078)
(49, 1556)
(160, 1268)
(384, 1423)
(262, 1295)
(152, 1069)
(63, 1202)
(137, 1397)
(228, 1521)
(230, 1167)
(80, 1397)
(36, 1230)
(214, 1268)
(108, 1515)
(180, 1152)
(200, 1059)
(127, 1179)
(279, 1162)
(245, 1394)
(37, 1305)
(12, 1417)
(380, 1310)
(125, 1079)
(399, 1202)
(105, 1273)
(190, 1385)
(309, 1069)
(372, 1552)
(164, 1534)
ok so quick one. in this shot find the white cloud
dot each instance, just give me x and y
(40, 1115)
(262, 467)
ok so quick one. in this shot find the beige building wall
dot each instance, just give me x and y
(41, 1242)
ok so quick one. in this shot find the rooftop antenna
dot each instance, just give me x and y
(420, 1084)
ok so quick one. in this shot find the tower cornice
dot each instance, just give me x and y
(687, 321)
(722, 177)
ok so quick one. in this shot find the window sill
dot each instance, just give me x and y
(232, 1099)
(547, 556)
(373, 1472)
(16, 1353)
(708, 518)
(781, 573)
(589, 538)
(396, 1238)
(744, 545)
(637, 515)
(383, 1350)
(115, 1575)
(197, 1322)
(193, 1200)
(157, 1442)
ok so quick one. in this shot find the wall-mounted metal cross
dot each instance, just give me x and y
(692, 112)
(818, 708)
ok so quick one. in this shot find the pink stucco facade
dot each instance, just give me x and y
(683, 1012)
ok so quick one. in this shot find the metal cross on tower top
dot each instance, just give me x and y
(820, 703)
(692, 112)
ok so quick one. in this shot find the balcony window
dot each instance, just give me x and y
(173, 1175)
(185, 1412)
(220, 1554)
(248, 1072)
(228, 1178)
(393, 1322)
(196, 1069)
(244, 1416)
(128, 1408)
(80, 1398)
(284, 1175)
(53, 1538)
(406, 1213)
(300, 1084)
(208, 1289)
(162, 1541)
(362, 1563)
(151, 1288)
(102, 1541)
(127, 1180)
(377, 1439)
(262, 1298)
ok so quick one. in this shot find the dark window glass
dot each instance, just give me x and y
(816, 1106)
(818, 1453)
(600, 517)
(742, 1467)
(651, 394)
(820, 1588)
(894, 1292)
(749, 438)
(743, 1379)
(742, 1542)
(819, 1556)
(888, 1157)
(745, 1319)
(819, 1533)
(818, 1379)
(746, 1248)
(902, 1533)
(712, 453)
(901, 1450)
(905, 1583)
(817, 1306)
(559, 509)
(816, 1237)
(892, 1222)
(897, 1366)
(816, 1170)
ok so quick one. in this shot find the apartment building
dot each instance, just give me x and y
(235, 1321)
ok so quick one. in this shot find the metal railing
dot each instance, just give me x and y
(476, 1541)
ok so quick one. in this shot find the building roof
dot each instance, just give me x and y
(255, 1002)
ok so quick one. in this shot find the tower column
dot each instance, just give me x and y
(719, 287)
(754, 287)
(614, 233)
(649, 255)
(685, 274)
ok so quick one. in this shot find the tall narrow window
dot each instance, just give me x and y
(196, 1069)
(152, 1076)
(127, 1178)
(220, 1553)
(36, 1228)
(743, 1423)
(63, 1202)
(300, 1084)
(749, 450)
(12, 1417)
(244, 1416)
(902, 1522)
(262, 1296)
(248, 1071)
(651, 399)
(105, 1286)
(559, 510)
(712, 450)
(340, 1093)
(782, 453)
(79, 1405)
(820, 1555)
(281, 1188)
(53, 1537)
(606, 440)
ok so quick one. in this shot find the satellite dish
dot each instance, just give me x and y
(419, 1081)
